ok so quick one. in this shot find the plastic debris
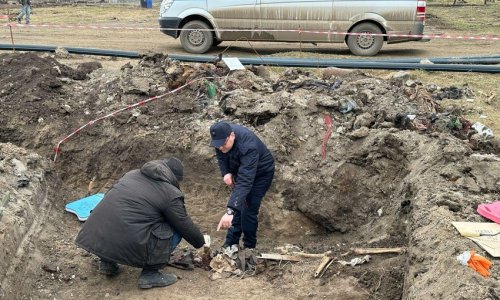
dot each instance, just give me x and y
(475, 261)
(483, 130)
(356, 261)
(348, 106)
(231, 252)
(211, 89)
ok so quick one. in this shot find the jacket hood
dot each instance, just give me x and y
(158, 170)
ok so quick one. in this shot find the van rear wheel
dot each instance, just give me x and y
(364, 44)
(196, 37)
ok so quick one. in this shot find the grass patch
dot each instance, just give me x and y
(93, 15)
(468, 19)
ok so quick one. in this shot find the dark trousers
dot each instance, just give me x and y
(174, 242)
(245, 221)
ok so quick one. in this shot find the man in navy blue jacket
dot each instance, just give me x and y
(248, 167)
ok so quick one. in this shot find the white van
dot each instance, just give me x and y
(205, 23)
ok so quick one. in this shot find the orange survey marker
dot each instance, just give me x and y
(479, 263)
(476, 262)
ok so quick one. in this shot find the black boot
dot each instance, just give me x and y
(108, 268)
(155, 278)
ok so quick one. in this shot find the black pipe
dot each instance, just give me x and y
(347, 64)
(327, 62)
(283, 62)
(73, 50)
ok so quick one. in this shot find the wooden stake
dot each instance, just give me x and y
(322, 266)
(12, 39)
(326, 268)
(273, 256)
(378, 250)
(313, 255)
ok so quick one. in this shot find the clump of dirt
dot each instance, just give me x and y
(397, 169)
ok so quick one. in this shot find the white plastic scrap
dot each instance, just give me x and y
(483, 130)
(231, 252)
(356, 261)
(464, 258)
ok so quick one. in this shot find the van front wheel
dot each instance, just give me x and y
(364, 44)
(196, 37)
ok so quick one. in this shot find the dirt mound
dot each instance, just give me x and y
(397, 169)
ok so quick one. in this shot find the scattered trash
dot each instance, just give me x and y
(483, 234)
(451, 92)
(347, 106)
(287, 248)
(355, 261)
(182, 259)
(233, 63)
(231, 261)
(231, 252)
(483, 130)
(490, 211)
(211, 89)
(476, 262)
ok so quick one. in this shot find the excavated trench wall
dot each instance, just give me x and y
(378, 186)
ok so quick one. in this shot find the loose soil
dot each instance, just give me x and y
(385, 181)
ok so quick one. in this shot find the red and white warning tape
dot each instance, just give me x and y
(424, 36)
(57, 148)
(328, 123)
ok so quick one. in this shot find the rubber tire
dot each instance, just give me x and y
(360, 46)
(206, 37)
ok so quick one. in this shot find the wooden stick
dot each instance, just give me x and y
(378, 250)
(326, 268)
(324, 262)
(273, 256)
(313, 255)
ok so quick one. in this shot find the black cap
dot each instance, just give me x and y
(219, 133)
(176, 167)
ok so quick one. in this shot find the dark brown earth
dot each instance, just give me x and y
(386, 180)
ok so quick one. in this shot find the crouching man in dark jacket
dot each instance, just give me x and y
(140, 221)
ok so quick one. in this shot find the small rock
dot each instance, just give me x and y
(61, 52)
(452, 205)
(364, 120)
(410, 83)
(328, 73)
(401, 75)
(359, 133)
(386, 125)
(50, 267)
(431, 87)
(263, 71)
(23, 182)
